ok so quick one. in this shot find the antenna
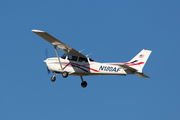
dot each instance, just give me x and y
(88, 54)
(81, 50)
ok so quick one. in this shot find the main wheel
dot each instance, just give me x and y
(84, 84)
(65, 74)
(53, 78)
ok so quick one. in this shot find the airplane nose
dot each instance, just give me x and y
(45, 60)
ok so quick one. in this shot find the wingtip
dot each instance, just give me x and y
(34, 30)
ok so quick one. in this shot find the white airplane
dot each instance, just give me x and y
(75, 63)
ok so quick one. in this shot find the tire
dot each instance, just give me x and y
(84, 84)
(65, 74)
(53, 78)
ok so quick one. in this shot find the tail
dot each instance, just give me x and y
(135, 66)
(139, 60)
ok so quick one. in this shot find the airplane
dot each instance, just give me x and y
(75, 63)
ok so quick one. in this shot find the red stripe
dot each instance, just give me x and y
(129, 64)
(79, 66)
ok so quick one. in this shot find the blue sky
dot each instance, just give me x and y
(114, 31)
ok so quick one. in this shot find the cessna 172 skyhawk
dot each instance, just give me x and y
(75, 63)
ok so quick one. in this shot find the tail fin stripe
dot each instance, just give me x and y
(141, 58)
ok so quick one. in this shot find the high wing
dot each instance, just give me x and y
(57, 43)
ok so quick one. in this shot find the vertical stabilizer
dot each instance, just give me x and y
(139, 60)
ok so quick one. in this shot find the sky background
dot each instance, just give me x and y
(113, 31)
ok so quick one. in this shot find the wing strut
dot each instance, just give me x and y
(58, 58)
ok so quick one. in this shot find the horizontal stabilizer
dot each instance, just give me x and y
(127, 68)
(141, 75)
(133, 71)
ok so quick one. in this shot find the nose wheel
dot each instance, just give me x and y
(53, 78)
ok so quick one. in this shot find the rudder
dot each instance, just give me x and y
(139, 60)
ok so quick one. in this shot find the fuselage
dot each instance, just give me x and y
(83, 67)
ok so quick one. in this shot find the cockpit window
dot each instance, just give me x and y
(64, 56)
(82, 59)
(73, 58)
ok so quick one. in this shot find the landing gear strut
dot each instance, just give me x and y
(64, 74)
(84, 83)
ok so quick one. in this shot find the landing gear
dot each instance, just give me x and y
(53, 78)
(84, 83)
(65, 74)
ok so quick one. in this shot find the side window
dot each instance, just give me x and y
(73, 58)
(82, 59)
(64, 56)
(91, 60)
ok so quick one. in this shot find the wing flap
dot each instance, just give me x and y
(55, 42)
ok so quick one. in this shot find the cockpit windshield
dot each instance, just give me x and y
(91, 60)
(64, 56)
(76, 58)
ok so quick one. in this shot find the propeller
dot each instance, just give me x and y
(46, 53)
(48, 71)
